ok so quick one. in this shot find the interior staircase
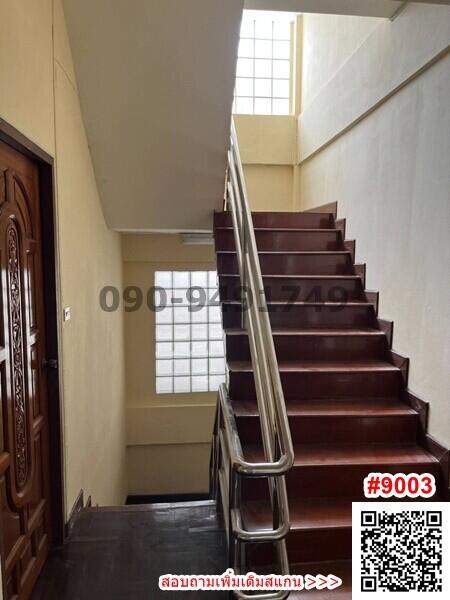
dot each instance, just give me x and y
(344, 387)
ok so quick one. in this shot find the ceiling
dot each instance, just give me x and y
(156, 81)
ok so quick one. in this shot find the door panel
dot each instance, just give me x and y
(25, 526)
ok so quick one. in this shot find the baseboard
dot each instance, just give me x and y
(165, 498)
(426, 440)
(76, 508)
(422, 408)
(443, 456)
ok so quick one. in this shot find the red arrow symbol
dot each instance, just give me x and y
(321, 582)
(310, 582)
(333, 582)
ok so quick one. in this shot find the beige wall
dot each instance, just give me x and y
(168, 435)
(38, 96)
(270, 187)
(381, 149)
(268, 151)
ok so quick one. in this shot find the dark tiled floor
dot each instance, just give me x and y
(118, 554)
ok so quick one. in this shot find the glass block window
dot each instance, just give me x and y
(263, 75)
(189, 336)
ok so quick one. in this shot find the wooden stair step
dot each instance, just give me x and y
(315, 366)
(305, 514)
(320, 529)
(332, 407)
(313, 331)
(292, 252)
(338, 470)
(321, 379)
(354, 314)
(284, 229)
(299, 276)
(338, 262)
(339, 568)
(345, 287)
(333, 421)
(283, 240)
(280, 219)
(347, 454)
(342, 569)
(314, 345)
(286, 305)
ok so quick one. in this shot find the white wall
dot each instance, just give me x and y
(324, 52)
(381, 148)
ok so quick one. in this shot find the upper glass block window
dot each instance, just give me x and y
(264, 66)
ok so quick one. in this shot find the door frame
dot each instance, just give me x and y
(45, 163)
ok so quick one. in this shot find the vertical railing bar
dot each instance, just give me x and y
(277, 442)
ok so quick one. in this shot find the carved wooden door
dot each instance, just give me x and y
(25, 529)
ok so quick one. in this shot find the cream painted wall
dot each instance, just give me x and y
(268, 151)
(93, 353)
(26, 69)
(388, 167)
(168, 436)
(38, 96)
(270, 187)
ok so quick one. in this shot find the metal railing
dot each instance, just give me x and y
(228, 465)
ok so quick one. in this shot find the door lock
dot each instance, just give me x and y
(50, 363)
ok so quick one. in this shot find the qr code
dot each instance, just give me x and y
(401, 547)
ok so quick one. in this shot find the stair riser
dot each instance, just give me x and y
(333, 429)
(281, 220)
(284, 240)
(292, 264)
(307, 317)
(314, 347)
(322, 385)
(346, 480)
(332, 481)
(307, 546)
(300, 290)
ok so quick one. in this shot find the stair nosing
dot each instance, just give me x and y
(321, 367)
(284, 252)
(299, 276)
(287, 303)
(427, 457)
(283, 229)
(236, 332)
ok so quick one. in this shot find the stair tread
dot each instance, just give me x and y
(308, 513)
(288, 213)
(283, 252)
(295, 276)
(283, 229)
(286, 303)
(373, 407)
(308, 455)
(341, 568)
(363, 331)
(341, 366)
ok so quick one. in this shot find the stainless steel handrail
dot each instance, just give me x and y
(229, 465)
